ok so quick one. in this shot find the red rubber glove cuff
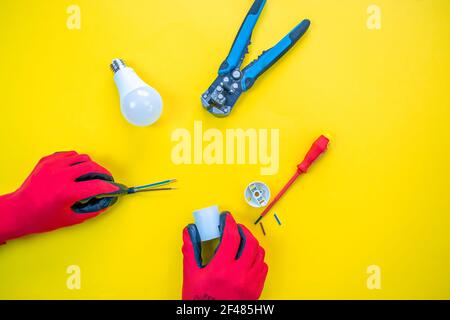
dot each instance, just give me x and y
(8, 227)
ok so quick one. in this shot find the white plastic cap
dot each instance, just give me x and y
(207, 221)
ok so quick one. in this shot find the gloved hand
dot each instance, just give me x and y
(46, 200)
(236, 272)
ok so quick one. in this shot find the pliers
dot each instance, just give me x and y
(222, 95)
(103, 201)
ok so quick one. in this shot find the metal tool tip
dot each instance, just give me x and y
(117, 64)
(258, 220)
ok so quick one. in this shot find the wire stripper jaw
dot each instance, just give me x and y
(222, 95)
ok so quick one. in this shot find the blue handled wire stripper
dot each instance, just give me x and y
(222, 95)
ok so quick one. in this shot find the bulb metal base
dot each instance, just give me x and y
(117, 64)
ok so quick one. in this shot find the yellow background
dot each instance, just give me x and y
(379, 196)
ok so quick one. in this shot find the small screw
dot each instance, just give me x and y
(236, 74)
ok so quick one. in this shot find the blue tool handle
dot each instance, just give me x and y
(242, 40)
(269, 57)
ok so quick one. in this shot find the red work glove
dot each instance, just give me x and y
(236, 272)
(44, 201)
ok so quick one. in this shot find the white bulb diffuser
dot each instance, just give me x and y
(140, 104)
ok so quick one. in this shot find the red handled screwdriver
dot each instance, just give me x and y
(318, 147)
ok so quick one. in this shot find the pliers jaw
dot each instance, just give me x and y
(222, 95)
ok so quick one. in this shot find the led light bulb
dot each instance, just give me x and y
(140, 104)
